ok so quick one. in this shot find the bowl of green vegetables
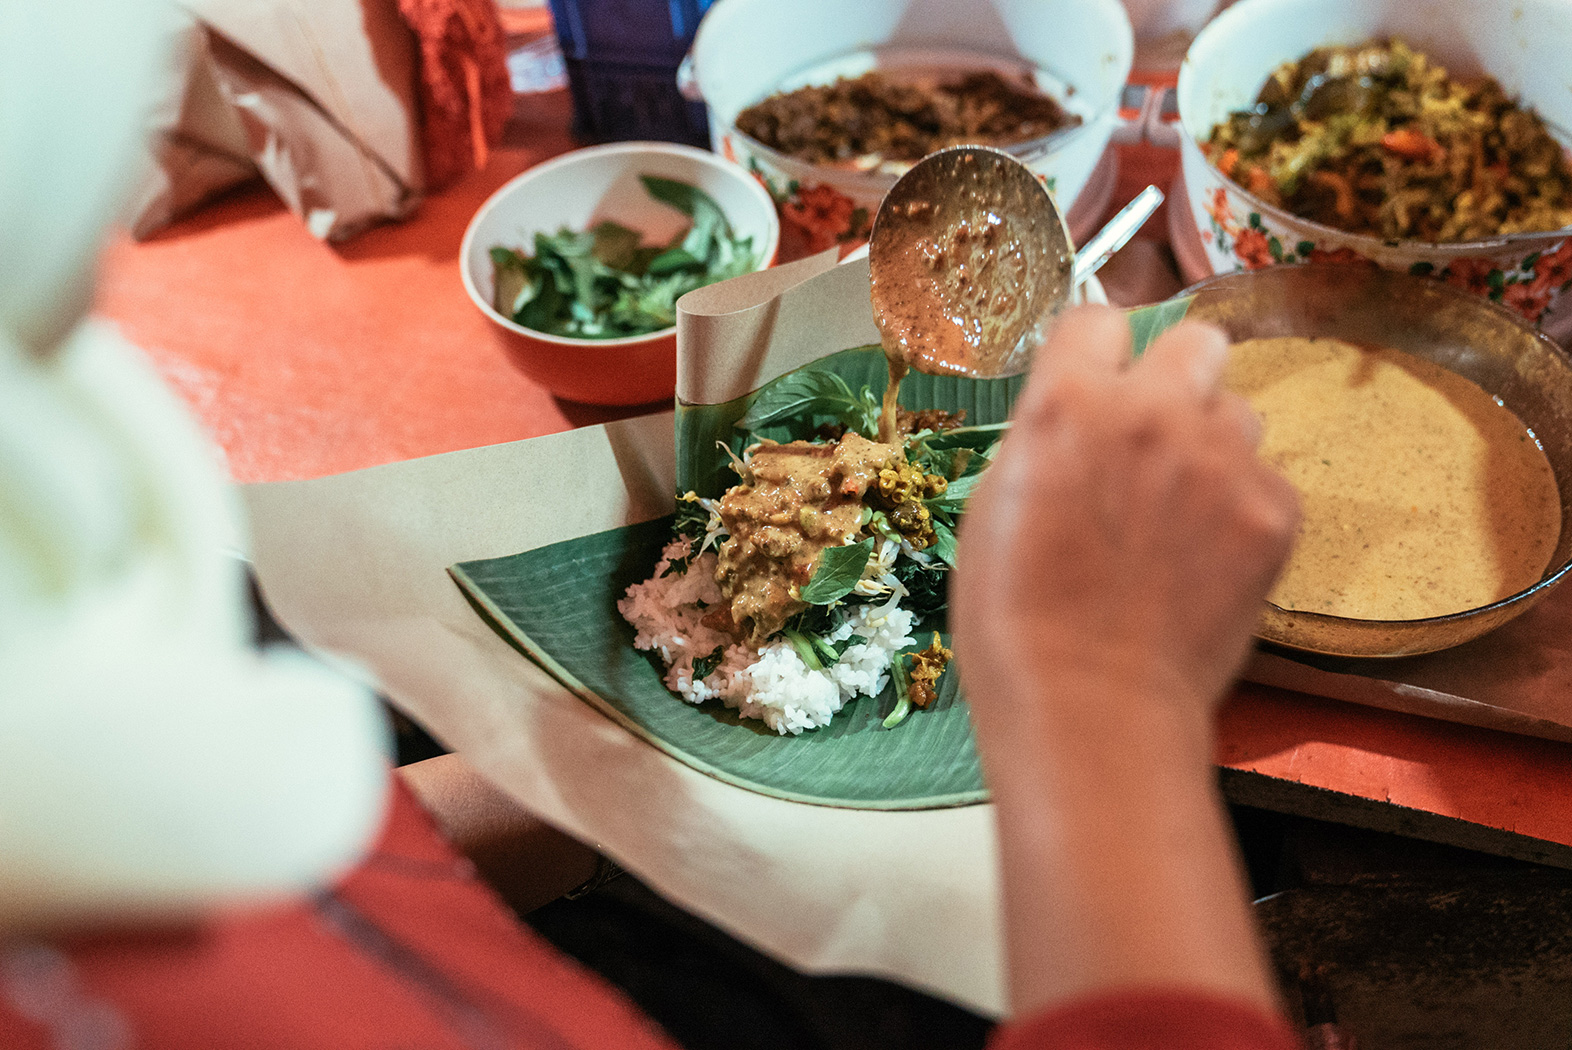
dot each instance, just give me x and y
(580, 261)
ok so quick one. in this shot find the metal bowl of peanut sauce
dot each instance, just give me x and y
(1429, 433)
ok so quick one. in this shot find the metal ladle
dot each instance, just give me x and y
(970, 258)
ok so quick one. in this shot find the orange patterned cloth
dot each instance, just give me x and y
(465, 97)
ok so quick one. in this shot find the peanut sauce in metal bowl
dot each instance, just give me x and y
(1429, 432)
(1422, 494)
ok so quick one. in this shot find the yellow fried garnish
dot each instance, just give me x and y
(901, 489)
(926, 667)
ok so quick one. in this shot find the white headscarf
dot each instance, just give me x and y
(151, 765)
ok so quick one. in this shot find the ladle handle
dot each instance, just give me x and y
(1115, 235)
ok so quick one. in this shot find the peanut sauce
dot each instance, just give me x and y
(1422, 494)
(800, 498)
(967, 254)
(947, 301)
(889, 432)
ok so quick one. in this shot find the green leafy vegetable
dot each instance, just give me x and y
(692, 519)
(605, 283)
(837, 573)
(806, 650)
(819, 619)
(828, 653)
(944, 543)
(953, 500)
(844, 644)
(807, 394)
(817, 651)
(1149, 322)
(975, 438)
(705, 666)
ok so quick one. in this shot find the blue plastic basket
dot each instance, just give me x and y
(622, 58)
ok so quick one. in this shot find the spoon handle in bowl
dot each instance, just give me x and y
(1102, 244)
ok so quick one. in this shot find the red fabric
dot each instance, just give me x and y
(465, 95)
(1149, 1020)
(411, 951)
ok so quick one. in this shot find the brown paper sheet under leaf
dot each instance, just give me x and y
(355, 565)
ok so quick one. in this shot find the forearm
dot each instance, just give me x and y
(1119, 864)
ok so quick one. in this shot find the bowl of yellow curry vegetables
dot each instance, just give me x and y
(1425, 136)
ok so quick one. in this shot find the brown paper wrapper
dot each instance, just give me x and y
(318, 99)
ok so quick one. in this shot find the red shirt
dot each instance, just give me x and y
(413, 951)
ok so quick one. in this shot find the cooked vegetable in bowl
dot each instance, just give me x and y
(888, 120)
(1379, 139)
(1422, 136)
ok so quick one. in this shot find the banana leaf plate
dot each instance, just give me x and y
(557, 605)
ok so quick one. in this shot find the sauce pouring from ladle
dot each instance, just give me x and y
(970, 260)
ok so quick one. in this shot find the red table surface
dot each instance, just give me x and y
(304, 359)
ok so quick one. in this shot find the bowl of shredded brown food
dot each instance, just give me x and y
(1395, 135)
(886, 121)
(829, 103)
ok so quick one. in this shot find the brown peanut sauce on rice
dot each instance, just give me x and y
(801, 498)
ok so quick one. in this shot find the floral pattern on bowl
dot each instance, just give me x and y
(1243, 233)
(814, 216)
(822, 207)
(1234, 54)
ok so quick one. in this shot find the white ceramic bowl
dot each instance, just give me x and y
(578, 190)
(746, 50)
(1524, 45)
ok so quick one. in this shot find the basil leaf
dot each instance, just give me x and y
(953, 501)
(615, 246)
(799, 394)
(541, 310)
(511, 277)
(1149, 322)
(690, 200)
(672, 260)
(943, 546)
(837, 573)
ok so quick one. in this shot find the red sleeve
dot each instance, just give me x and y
(410, 950)
(1148, 1020)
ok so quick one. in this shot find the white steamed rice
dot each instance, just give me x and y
(771, 684)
